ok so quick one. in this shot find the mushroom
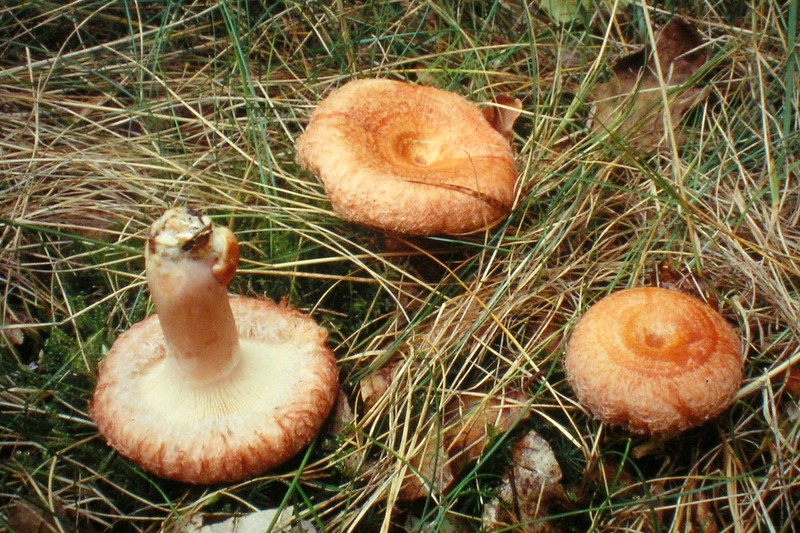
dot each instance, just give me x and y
(211, 388)
(653, 360)
(409, 159)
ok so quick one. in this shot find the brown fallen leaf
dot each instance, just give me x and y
(473, 419)
(531, 489)
(374, 386)
(792, 381)
(630, 104)
(354, 460)
(503, 114)
(703, 517)
(24, 517)
(685, 280)
(13, 336)
(429, 472)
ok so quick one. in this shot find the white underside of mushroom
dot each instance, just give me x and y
(165, 394)
(259, 415)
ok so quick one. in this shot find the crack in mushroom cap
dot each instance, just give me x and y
(262, 414)
(654, 360)
(409, 159)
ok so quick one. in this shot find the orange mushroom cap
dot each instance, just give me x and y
(409, 159)
(654, 360)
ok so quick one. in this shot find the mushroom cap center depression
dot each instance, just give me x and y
(671, 340)
(418, 134)
(412, 148)
(413, 137)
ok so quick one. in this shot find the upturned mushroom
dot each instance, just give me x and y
(653, 360)
(211, 388)
(409, 159)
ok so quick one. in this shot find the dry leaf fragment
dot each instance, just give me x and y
(531, 487)
(472, 417)
(561, 11)
(373, 386)
(13, 335)
(685, 280)
(503, 114)
(343, 420)
(565, 11)
(703, 517)
(630, 103)
(429, 472)
(792, 381)
(267, 520)
(24, 517)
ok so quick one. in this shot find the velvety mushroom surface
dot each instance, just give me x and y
(212, 388)
(409, 159)
(654, 360)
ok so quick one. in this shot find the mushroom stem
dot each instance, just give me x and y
(189, 265)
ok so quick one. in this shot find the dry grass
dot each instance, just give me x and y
(113, 111)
